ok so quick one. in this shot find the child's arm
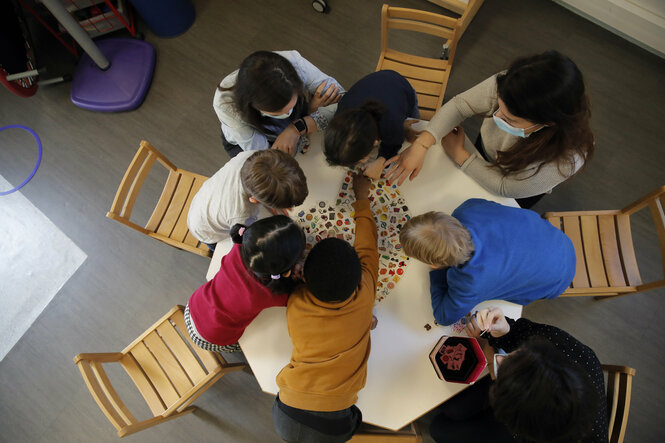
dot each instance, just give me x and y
(366, 234)
(447, 310)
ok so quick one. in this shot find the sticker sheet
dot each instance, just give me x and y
(335, 219)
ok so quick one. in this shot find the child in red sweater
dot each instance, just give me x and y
(255, 275)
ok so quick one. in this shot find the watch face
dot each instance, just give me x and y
(300, 125)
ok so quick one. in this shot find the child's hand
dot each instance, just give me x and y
(374, 169)
(360, 186)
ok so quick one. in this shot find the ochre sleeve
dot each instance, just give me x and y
(366, 246)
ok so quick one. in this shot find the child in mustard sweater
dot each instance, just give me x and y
(329, 319)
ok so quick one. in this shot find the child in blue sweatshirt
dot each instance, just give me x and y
(486, 251)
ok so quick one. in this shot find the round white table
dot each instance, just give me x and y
(401, 382)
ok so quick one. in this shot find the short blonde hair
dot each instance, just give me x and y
(437, 239)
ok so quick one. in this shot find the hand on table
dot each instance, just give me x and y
(410, 161)
(287, 140)
(489, 320)
(453, 144)
(360, 186)
(324, 97)
(374, 169)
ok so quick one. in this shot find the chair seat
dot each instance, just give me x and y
(604, 248)
(169, 219)
(168, 222)
(168, 369)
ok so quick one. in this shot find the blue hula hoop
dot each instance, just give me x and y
(39, 157)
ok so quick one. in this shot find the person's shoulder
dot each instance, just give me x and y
(300, 298)
(475, 203)
(291, 55)
(239, 159)
(230, 168)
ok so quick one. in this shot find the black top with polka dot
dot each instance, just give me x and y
(581, 354)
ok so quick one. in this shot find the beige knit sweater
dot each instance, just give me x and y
(482, 100)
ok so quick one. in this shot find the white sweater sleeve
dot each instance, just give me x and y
(312, 77)
(235, 129)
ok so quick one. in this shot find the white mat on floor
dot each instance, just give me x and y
(36, 260)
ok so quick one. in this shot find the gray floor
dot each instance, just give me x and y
(129, 280)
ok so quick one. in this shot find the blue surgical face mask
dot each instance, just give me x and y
(505, 127)
(278, 117)
(496, 364)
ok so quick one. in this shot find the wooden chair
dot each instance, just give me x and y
(168, 222)
(372, 434)
(619, 385)
(606, 263)
(428, 76)
(169, 370)
(466, 10)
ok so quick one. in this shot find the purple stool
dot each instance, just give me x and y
(121, 87)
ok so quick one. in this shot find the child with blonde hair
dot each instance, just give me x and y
(486, 251)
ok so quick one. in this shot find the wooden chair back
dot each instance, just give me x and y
(168, 222)
(619, 386)
(606, 259)
(372, 434)
(466, 10)
(428, 76)
(168, 369)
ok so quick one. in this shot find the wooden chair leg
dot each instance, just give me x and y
(131, 429)
(606, 297)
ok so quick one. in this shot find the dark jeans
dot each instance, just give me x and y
(230, 148)
(525, 202)
(468, 417)
(298, 425)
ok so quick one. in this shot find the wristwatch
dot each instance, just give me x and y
(301, 126)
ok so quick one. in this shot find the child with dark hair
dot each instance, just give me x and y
(549, 387)
(371, 123)
(274, 100)
(329, 322)
(234, 193)
(256, 274)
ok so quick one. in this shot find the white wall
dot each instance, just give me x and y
(639, 21)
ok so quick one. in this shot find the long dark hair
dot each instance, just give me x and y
(546, 89)
(266, 81)
(351, 134)
(271, 246)
(543, 396)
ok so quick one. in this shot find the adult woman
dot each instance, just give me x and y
(536, 133)
(549, 387)
(273, 100)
